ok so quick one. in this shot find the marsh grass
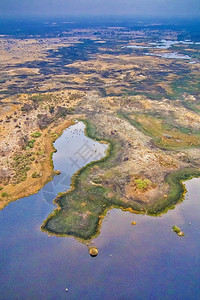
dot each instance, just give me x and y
(176, 192)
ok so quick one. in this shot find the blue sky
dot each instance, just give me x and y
(162, 8)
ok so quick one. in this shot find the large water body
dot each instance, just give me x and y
(146, 261)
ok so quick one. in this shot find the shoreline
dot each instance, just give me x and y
(32, 185)
(175, 195)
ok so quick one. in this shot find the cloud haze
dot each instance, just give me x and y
(163, 8)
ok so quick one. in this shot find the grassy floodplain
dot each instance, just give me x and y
(164, 134)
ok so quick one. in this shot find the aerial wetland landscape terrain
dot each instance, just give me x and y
(100, 130)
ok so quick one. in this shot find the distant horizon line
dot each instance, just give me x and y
(139, 18)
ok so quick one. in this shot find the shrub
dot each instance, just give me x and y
(36, 134)
(51, 109)
(4, 194)
(142, 184)
(31, 143)
(35, 175)
(176, 229)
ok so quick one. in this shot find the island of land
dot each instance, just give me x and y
(132, 92)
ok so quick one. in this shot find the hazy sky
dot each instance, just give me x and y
(163, 8)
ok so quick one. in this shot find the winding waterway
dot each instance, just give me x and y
(146, 261)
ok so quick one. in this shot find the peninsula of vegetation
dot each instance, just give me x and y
(130, 95)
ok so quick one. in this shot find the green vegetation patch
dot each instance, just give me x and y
(4, 195)
(178, 231)
(189, 83)
(36, 134)
(164, 134)
(30, 144)
(142, 184)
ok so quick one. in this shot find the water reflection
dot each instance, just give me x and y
(171, 55)
(74, 150)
